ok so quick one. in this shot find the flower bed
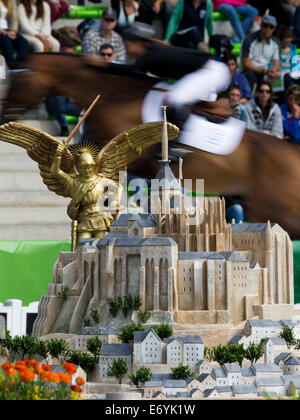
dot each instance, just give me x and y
(31, 380)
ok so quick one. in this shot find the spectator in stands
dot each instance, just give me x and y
(232, 9)
(188, 22)
(238, 78)
(58, 8)
(148, 9)
(259, 51)
(94, 38)
(289, 58)
(238, 109)
(291, 115)
(35, 25)
(127, 11)
(107, 53)
(262, 113)
(10, 39)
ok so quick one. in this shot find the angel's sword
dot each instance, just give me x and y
(66, 142)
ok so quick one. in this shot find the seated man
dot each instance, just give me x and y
(107, 53)
(94, 38)
(259, 51)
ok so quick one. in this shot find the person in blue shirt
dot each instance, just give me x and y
(291, 115)
(238, 78)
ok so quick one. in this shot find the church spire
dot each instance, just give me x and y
(164, 139)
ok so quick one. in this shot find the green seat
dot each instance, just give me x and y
(71, 119)
(85, 12)
(219, 16)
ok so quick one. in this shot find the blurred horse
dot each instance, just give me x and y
(263, 169)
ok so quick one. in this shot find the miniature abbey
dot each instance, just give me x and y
(208, 273)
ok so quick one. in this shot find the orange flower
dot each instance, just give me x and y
(6, 366)
(70, 368)
(10, 372)
(45, 375)
(20, 365)
(64, 377)
(80, 380)
(27, 375)
(46, 367)
(76, 388)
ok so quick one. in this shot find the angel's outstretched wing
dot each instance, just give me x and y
(41, 147)
(128, 146)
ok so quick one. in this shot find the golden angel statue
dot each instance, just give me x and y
(84, 173)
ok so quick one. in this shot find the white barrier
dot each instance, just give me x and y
(18, 318)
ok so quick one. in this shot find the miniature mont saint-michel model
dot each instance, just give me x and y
(191, 275)
(211, 281)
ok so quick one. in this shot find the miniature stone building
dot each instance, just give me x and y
(111, 352)
(107, 335)
(147, 348)
(188, 350)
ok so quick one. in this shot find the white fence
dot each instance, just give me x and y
(18, 319)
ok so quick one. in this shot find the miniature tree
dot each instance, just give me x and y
(118, 369)
(141, 376)
(127, 332)
(57, 348)
(143, 316)
(93, 345)
(163, 330)
(253, 352)
(181, 372)
(288, 335)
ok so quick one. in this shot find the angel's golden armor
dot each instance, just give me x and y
(86, 189)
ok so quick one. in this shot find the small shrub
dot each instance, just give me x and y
(127, 332)
(93, 345)
(143, 316)
(82, 359)
(118, 369)
(163, 330)
(94, 315)
(141, 376)
(57, 348)
(181, 372)
(64, 293)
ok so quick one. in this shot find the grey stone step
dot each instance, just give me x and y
(17, 162)
(33, 215)
(21, 181)
(32, 199)
(36, 232)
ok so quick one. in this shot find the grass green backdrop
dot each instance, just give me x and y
(26, 268)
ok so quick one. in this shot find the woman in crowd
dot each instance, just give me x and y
(291, 115)
(188, 22)
(232, 9)
(35, 25)
(262, 113)
(10, 39)
(238, 78)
